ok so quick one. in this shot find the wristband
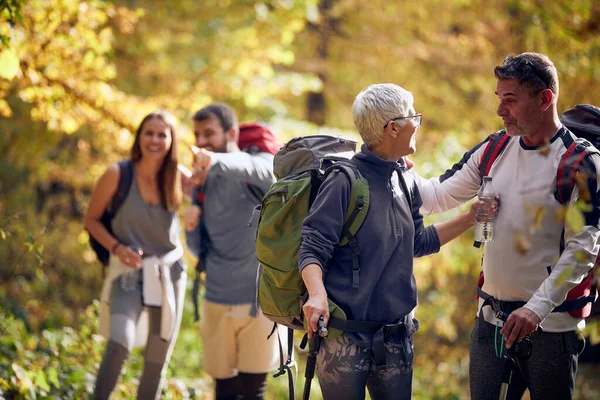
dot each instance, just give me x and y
(116, 245)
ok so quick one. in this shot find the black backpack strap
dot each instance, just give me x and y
(496, 145)
(125, 179)
(576, 304)
(352, 173)
(200, 267)
(286, 368)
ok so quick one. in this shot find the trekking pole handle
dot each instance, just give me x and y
(321, 328)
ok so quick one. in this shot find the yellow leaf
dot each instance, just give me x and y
(538, 216)
(582, 186)
(561, 212)
(9, 64)
(522, 244)
(584, 206)
(581, 257)
(564, 276)
(574, 219)
(5, 110)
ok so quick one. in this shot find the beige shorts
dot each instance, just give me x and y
(233, 341)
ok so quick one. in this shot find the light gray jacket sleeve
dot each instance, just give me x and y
(256, 169)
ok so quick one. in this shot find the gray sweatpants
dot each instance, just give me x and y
(345, 369)
(548, 374)
(125, 310)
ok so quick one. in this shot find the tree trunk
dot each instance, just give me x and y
(316, 105)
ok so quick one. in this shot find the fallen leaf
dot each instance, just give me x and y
(522, 244)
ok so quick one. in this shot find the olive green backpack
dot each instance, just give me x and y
(300, 167)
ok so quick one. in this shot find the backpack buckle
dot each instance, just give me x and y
(392, 329)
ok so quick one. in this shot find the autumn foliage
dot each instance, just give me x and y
(76, 77)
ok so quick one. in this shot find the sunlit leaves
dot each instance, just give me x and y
(10, 11)
(63, 53)
(9, 64)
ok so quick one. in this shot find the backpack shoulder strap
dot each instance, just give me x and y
(496, 145)
(125, 179)
(356, 212)
(359, 198)
(571, 162)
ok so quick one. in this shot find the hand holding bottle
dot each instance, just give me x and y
(485, 216)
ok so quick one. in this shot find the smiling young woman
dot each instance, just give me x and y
(146, 273)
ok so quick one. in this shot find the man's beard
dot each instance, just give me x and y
(221, 149)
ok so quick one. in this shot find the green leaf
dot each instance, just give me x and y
(76, 377)
(2, 234)
(41, 382)
(574, 219)
(53, 377)
(9, 64)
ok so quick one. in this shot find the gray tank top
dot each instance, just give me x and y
(139, 225)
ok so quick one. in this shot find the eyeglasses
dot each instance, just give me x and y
(418, 117)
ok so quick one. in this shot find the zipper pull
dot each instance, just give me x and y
(254, 211)
(284, 191)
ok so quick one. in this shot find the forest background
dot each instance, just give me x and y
(76, 77)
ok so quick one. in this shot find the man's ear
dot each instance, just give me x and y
(232, 135)
(546, 97)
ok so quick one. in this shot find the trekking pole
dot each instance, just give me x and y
(507, 371)
(519, 350)
(311, 360)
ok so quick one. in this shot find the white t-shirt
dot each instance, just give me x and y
(525, 179)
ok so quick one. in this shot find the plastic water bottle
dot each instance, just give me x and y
(485, 219)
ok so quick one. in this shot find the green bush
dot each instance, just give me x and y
(52, 364)
(62, 363)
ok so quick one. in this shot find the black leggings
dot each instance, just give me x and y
(242, 387)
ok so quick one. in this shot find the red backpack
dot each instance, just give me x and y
(257, 138)
(584, 121)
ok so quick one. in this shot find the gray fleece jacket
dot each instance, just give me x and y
(392, 234)
(231, 265)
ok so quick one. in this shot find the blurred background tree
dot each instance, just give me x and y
(77, 76)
